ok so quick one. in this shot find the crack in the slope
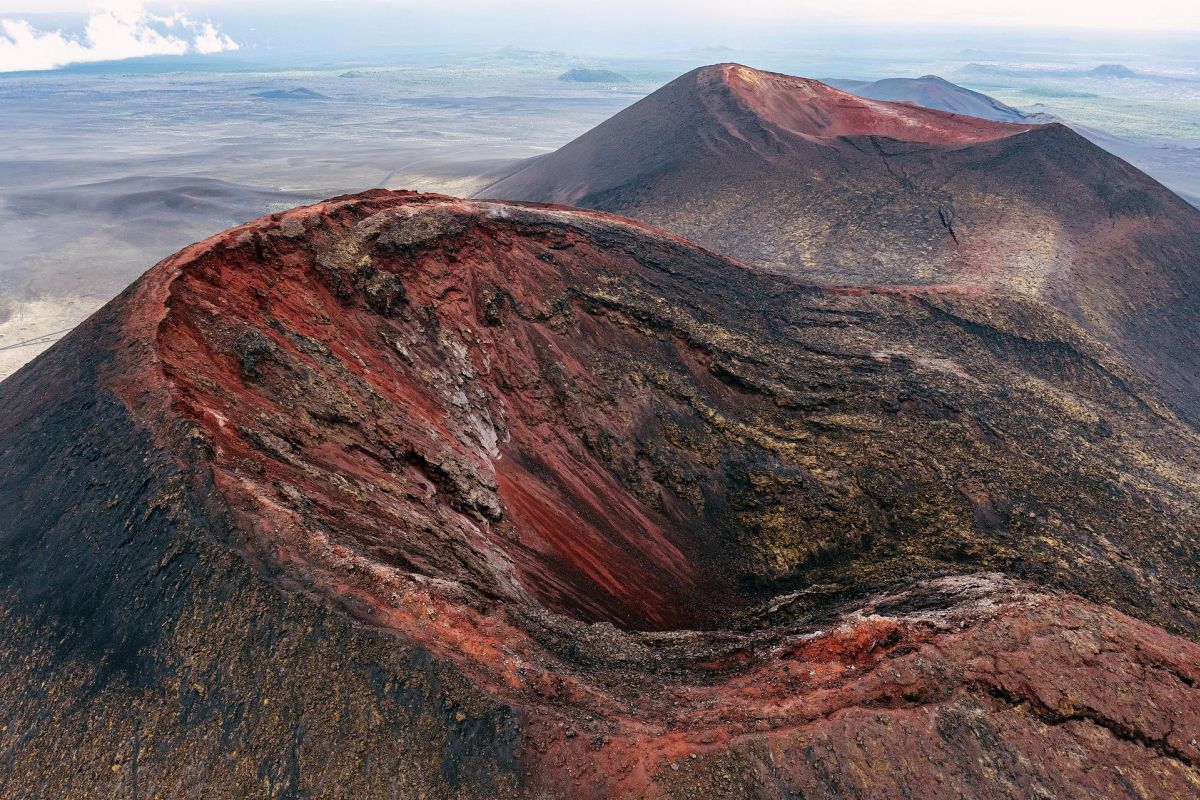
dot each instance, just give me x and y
(1186, 680)
(900, 177)
(907, 184)
(947, 223)
(1126, 733)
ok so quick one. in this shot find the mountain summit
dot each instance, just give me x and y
(737, 95)
(720, 117)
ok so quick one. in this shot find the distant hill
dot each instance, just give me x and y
(931, 91)
(584, 75)
(158, 203)
(985, 72)
(846, 84)
(1113, 71)
(291, 94)
(521, 55)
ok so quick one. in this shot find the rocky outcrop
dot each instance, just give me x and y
(414, 496)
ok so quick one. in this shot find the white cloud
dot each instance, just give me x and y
(211, 40)
(116, 29)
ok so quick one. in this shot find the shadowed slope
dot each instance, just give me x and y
(408, 495)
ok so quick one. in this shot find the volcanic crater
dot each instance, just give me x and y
(646, 504)
(449, 390)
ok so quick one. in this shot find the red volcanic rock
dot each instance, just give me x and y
(403, 495)
(808, 108)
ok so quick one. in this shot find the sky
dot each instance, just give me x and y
(113, 30)
(1111, 14)
(45, 34)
